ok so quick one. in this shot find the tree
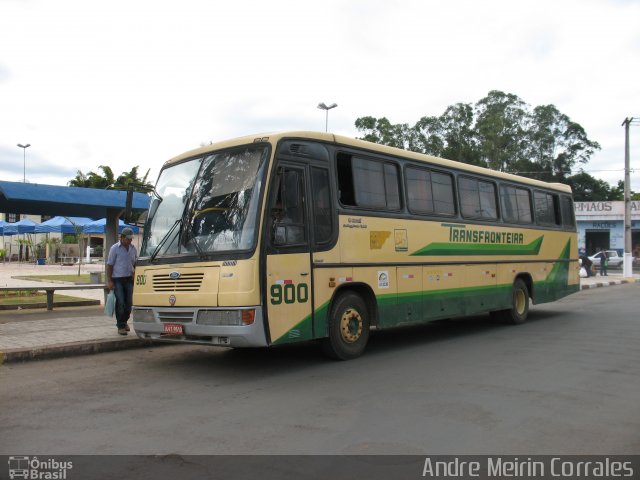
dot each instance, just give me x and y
(500, 127)
(458, 132)
(94, 180)
(500, 131)
(617, 192)
(108, 180)
(588, 189)
(556, 143)
(383, 132)
(428, 137)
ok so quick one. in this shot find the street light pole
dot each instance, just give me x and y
(627, 265)
(24, 161)
(323, 106)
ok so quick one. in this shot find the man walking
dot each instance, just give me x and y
(604, 262)
(120, 267)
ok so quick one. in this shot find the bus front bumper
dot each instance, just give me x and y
(204, 326)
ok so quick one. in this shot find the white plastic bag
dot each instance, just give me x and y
(110, 304)
(583, 272)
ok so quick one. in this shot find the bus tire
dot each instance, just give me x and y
(348, 328)
(519, 310)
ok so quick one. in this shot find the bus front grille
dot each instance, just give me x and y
(173, 316)
(187, 282)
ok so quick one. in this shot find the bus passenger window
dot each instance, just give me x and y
(368, 183)
(516, 204)
(546, 206)
(568, 216)
(477, 199)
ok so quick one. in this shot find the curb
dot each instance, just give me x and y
(16, 355)
(608, 283)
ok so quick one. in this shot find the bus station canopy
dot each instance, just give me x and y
(39, 199)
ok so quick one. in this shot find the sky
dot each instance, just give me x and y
(136, 82)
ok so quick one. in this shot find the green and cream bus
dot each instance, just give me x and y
(298, 236)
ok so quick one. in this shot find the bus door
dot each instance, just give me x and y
(288, 261)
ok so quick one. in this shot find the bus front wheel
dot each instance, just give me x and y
(348, 328)
(519, 310)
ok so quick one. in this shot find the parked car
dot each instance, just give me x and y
(615, 260)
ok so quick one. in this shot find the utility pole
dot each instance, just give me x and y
(627, 265)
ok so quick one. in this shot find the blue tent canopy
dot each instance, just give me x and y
(99, 226)
(2, 224)
(23, 226)
(62, 225)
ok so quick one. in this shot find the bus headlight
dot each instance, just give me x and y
(237, 318)
(143, 315)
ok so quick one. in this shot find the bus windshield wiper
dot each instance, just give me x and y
(194, 241)
(164, 239)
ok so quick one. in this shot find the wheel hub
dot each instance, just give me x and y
(351, 326)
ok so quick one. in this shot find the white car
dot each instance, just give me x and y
(615, 260)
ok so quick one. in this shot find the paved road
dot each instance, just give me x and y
(567, 382)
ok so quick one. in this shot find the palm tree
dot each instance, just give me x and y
(108, 180)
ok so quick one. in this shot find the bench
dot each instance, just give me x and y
(69, 260)
(50, 289)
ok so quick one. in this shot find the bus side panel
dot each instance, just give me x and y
(383, 282)
(442, 292)
(561, 277)
(410, 308)
(480, 294)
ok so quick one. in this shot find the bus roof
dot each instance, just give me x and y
(275, 137)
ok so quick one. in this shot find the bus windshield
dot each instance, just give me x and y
(206, 205)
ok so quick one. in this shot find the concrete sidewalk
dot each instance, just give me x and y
(37, 334)
(66, 331)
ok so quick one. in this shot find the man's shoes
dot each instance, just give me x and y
(126, 327)
(122, 331)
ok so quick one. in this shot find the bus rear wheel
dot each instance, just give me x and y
(519, 310)
(348, 328)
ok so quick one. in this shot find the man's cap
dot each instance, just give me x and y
(127, 232)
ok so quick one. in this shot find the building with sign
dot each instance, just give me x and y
(601, 225)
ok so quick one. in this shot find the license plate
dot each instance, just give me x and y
(173, 329)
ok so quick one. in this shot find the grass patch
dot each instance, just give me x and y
(27, 298)
(71, 278)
